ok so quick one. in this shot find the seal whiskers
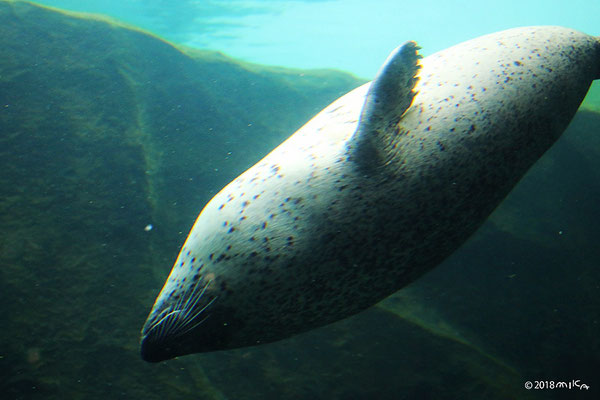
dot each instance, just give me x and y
(182, 332)
(188, 317)
(177, 321)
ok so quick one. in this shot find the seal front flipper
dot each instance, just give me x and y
(389, 96)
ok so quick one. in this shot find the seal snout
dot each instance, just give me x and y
(154, 346)
(160, 343)
(173, 321)
(151, 351)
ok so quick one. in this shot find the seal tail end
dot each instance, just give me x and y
(597, 58)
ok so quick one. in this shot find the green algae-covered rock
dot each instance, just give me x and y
(105, 133)
(111, 141)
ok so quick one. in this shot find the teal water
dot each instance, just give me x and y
(352, 35)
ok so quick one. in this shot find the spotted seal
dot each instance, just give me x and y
(377, 189)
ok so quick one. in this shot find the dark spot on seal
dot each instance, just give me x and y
(471, 129)
(245, 203)
(211, 256)
(264, 225)
(232, 229)
(253, 254)
(225, 223)
(221, 206)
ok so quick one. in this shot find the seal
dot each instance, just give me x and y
(374, 191)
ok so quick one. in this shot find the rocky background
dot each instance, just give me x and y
(107, 131)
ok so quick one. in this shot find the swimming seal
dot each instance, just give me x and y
(377, 189)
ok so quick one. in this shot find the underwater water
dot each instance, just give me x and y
(350, 35)
(112, 140)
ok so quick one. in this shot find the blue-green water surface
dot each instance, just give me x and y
(351, 35)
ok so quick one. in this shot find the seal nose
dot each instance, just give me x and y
(153, 346)
(159, 344)
(151, 352)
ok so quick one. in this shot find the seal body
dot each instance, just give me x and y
(374, 191)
